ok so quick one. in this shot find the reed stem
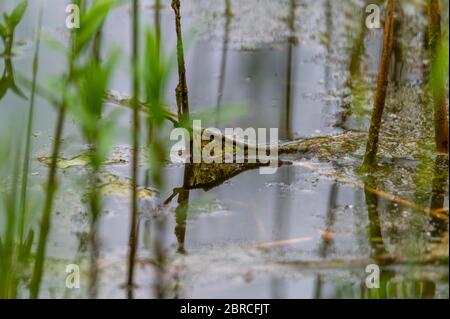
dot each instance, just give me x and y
(48, 206)
(438, 89)
(181, 90)
(135, 137)
(51, 183)
(380, 94)
(26, 160)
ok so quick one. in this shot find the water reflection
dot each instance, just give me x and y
(253, 208)
(292, 40)
(7, 81)
(438, 195)
(394, 285)
(181, 211)
(398, 46)
(356, 81)
(327, 236)
(375, 234)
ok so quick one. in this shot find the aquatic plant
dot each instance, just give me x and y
(26, 156)
(223, 63)
(91, 19)
(182, 89)
(380, 93)
(403, 222)
(438, 46)
(156, 66)
(16, 235)
(7, 31)
(133, 240)
(10, 23)
(92, 79)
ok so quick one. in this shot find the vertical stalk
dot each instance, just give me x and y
(160, 286)
(48, 206)
(95, 196)
(223, 63)
(95, 207)
(150, 124)
(135, 155)
(373, 210)
(26, 160)
(51, 182)
(182, 208)
(228, 11)
(291, 42)
(97, 45)
(181, 90)
(380, 94)
(94, 253)
(158, 18)
(397, 46)
(438, 89)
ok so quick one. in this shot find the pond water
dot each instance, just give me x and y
(308, 231)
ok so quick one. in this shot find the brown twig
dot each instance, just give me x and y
(181, 90)
(380, 94)
(438, 213)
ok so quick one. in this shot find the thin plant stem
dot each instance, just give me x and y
(223, 63)
(380, 94)
(51, 184)
(181, 90)
(96, 47)
(158, 18)
(46, 214)
(289, 75)
(438, 90)
(95, 207)
(26, 160)
(135, 136)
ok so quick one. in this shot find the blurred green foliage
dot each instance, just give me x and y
(14, 252)
(7, 30)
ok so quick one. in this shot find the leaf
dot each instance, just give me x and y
(25, 250)
(3, 32)
(7, 82)
(91, 22)
(106, 135)
(17, 90)
(86, 102)
(439, 69)
(4, 85)
(17, 14)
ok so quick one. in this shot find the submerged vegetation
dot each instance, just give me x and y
(88, 177)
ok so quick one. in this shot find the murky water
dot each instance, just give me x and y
(308, 231)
